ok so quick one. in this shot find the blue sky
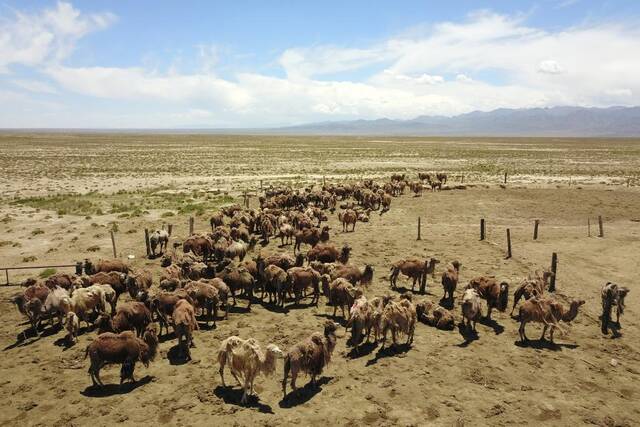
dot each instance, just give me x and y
(150, 64)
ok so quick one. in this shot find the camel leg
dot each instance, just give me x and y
(544, 331)
(221, 370)
(553, 328)
(523, 336)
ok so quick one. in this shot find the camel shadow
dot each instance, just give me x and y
(300, 306)
(23, 338)
(497, 328)
(303, 394)
(114, 389)
(389, 352)
(447, 303)
(232, 396)
(544, 344)
(274, 308)
(404, 289)
(339, 320)
(362, 350)
(177, 356)
(167, 336)
(468, 334)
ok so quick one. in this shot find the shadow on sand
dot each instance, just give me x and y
(233, 396)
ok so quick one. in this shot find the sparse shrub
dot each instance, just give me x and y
(94, 248)
(37, 231)
(47, 272)
(29, 258)
(167, 214)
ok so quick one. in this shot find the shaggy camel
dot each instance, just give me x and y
(365, 315)
(184, 323)
(470, 308)
(547, 311)
(340, 293)
(327, 252)
(399, 317)
(496, 294)
(346, 218)
(205, 297)
(310, 356)
(612, 296)
(415, 269)
(275, 279)
(246, 360)
(124, 348)
(302, 278)
(533, 286)
(450, 280)
(354, 274)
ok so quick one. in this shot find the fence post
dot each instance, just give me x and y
(462, 182)
(191, 226)
(554, 268)
(505, 177)
(589, 227)
(113, 244)
(146, 241)
(601, 230)
(6, 272)
(535, 229)
(482, 229)
(508, 243)
(260, 185)
(169, 229)
(418, 229)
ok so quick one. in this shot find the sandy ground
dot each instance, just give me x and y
(587, 378)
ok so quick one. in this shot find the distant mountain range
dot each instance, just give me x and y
(553, 121)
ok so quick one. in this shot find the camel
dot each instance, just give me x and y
(612, 296)
(415, 269)
(450, 280)
(246, 360)
(533, 286)
(547, 311)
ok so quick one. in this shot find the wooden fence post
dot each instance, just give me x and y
(418, 229)
(191, 221)
(505, 177)
(589, 227)
(508, 243)
(324, 180)
(601, 230)
(113, 244)
(535, 229)
(146, 240)
(482, 229)
(169, 229)
(554, 269)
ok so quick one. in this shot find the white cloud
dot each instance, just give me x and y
(35, 86)
(33, 39)
(484, 62)
(138, 84)
(550, 66)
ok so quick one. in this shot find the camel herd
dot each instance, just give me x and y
(207, 272)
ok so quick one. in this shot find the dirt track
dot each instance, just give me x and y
(439, 380)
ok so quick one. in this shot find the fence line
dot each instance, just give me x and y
(34, 267)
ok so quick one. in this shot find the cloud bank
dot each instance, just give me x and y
(483, 62)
